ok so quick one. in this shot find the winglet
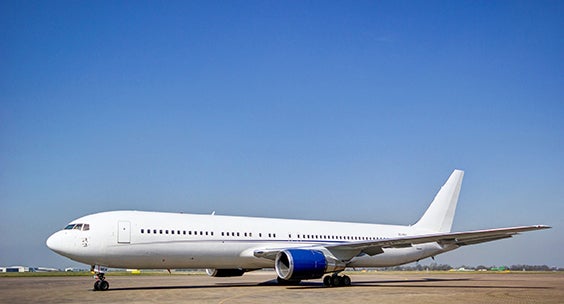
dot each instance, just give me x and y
(440, 214)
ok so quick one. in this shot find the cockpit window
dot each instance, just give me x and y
(83, 227)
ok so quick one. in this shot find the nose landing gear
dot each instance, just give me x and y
(101, 284)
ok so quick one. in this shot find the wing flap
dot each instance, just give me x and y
(473, 241)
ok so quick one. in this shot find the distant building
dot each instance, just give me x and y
(15, 269)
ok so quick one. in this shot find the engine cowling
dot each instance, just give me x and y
(304, 264)
(212, 272)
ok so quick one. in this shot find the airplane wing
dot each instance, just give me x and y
(458, 238)
(347, 251)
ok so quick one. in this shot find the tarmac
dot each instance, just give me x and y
(259, 287)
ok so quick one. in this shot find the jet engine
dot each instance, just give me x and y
(305, 264)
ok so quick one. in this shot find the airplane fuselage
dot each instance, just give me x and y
(157, 240)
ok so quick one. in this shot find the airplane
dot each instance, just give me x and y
(228, 246)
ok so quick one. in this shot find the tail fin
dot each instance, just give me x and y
(440, 214)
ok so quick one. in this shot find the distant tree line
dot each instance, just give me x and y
(446, 267)
(418, 267)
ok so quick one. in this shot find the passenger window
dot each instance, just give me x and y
(142, 231)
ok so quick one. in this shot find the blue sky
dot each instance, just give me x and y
(295, 109)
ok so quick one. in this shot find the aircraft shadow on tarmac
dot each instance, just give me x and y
(417, 283)
(217, 285)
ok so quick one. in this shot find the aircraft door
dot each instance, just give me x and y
(124, 232)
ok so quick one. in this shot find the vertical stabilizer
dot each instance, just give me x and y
(440, 214)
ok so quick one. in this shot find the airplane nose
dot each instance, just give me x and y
(54, 242)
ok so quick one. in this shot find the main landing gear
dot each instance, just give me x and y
(101, 284)
(335, 280)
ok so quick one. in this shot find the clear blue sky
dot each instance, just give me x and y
(354, 111)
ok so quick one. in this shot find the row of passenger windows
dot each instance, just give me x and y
(337, 237)
(194, 232)
(183, 232)
(270, 235)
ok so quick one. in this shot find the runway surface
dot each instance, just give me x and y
(380, 287)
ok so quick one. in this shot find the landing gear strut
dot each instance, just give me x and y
(101, 284)
(335, 280)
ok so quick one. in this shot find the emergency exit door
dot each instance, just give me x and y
(124, 232)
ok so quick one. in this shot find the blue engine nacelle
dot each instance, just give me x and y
(301, 264)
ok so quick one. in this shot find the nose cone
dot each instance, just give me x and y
(55, 242)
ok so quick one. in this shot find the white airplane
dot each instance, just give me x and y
(232, 245)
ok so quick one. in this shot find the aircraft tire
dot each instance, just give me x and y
(346, 280)
(104, 285)
(327, 281)
(336, 281)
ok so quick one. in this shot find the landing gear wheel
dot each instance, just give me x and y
(327, 282)
(346, 280)
(104, 285)
(336, 281)
(101, 284)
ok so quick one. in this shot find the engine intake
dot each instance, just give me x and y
(303, 264)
